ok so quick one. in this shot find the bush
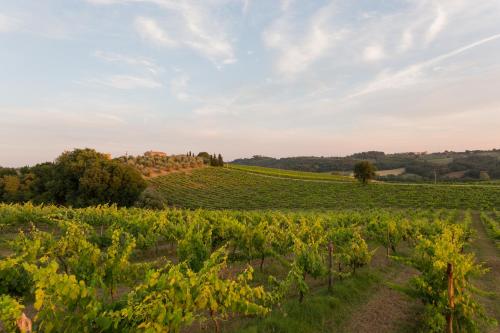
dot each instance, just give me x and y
(150, 199)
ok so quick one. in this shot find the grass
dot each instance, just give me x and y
(321, 311)
(484, 247)
(228, 188)
(301, 175)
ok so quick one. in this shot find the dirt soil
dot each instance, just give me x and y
(388, 310)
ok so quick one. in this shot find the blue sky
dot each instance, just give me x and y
(244, 77)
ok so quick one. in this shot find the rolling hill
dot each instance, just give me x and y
(232, 188)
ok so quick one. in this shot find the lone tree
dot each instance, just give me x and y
(364, 171)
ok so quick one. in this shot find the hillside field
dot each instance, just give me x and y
(230, 188)
(300, 175)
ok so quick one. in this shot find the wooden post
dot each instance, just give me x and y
(301, 293)
(330, 265)
(24, 324)
(388, 242)
(451, 298)
(214, 319)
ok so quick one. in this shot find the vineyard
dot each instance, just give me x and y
(106, 269)
(230, 188)
(301, 175)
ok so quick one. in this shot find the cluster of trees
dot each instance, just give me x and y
(212, 160)
(418, 166)
(82, 177)
(150, 164)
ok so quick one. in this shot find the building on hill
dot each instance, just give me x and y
(152, 153)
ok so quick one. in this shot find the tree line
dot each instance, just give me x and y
(475, 165)
(78, 178)
(212, 160)
(85, 177)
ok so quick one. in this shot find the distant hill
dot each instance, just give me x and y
(420, 166)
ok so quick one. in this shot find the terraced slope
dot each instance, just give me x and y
(226, 188)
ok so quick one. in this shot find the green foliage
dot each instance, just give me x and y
(151, 164)
(150, 199)
(64, 304)
(387, 232)
(90, 269)
(174, 296)
(195, 247)
(349, 247)
(290, 173)
(84, 177)
(364, 171)
(14, 280)
(78, 178)
(10, 311)
(431, 258)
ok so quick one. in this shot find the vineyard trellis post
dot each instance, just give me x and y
(451, 298)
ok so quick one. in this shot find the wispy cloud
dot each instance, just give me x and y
(245, 6)
(296, 53)
(406, 41)
(178, 87)
(193, 23)
(373, 53)
(413, 73)
(8, 23)
(146, 63)
(437, 25)
(125, 82)
(150, 30)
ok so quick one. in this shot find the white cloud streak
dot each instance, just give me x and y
(148, 64)
(8, 23)
(413, 73)
(437, 25)
(150, 30)
(125, 82)
(192, 22)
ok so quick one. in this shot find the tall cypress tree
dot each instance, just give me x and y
(220, 161)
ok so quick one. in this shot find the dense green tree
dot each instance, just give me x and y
(205, 156)
(85, 177)
(220, 161)
(364, 171)
(41, 186)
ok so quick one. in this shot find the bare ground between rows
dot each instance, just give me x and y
(487, 252)
(388, 310)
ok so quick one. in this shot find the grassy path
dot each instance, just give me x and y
(487, 252)
(387, 310)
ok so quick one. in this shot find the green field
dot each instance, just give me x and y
(223, 188)
(291, 173)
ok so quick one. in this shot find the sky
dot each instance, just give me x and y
(245, 77)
